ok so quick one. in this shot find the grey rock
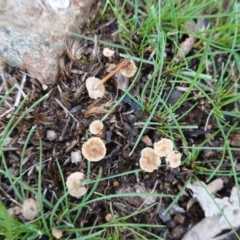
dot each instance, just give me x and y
(33, 34)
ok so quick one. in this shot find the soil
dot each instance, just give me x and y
(120, 135)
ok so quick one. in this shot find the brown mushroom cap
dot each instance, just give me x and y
(163, 147)
(149, 161)
(94, 93)
(30, 209)
(108, 52)
(174, 159)
(72, 183)
(96, 127)
(94, 149)
(129, 70)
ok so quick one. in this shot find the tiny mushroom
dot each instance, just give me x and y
(73, 182)
(96, 127)
(149, 161)
(94, 149)
(174, 159)
(108, 53)
(163, 147)
(57, 233)
(30, 209)
(127, 67)
(94, 93)
(129, 70)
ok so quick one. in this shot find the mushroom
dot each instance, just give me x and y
(96, 127)
(57, 233)
(94, 149)
(174, 159)
(93, 92)
(108, 53)
(109, 217)
(129, 70)
(121, 66)
(149, 161)
(163, 147)
(30, 209)
(73, 184)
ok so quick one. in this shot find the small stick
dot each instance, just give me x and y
(119, 67)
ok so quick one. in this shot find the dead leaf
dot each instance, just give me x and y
(76, 156)
(206, 229)
(94, 109)
(186, 46)
(147, 140)
(122, 82)
(216, 185)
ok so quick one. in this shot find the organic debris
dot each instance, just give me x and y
(220, 213)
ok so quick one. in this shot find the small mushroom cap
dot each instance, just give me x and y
(72, 183)
(96, 127)
(129, 70)
(94, 93)
(108, 52)
(149, 161)
(57, 233)
(174, 159)
(163, 147)
(94, 149)
(30, 209)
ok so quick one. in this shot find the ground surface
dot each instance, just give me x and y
(196, 125)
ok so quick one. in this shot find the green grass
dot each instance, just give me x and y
(150, 25)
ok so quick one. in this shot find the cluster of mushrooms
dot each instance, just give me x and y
(94, 150)
(126, 67)
(163, 149)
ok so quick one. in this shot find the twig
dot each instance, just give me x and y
(65, 109)
(8, 196)
(20, 91)
(8, 111)
(207, 121)
(119, 67)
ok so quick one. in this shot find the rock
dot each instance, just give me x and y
(33, 33)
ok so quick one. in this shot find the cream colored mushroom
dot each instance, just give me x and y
(96, 127)
(149, 161)
(129, 70)
(174, 159)
(94, 93)
(94, 149)
(73, 184)
(57, 233)
(108, 53)
(163, 147)
(30, 209)
(109, 217)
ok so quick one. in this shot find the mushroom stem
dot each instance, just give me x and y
(119, 67)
